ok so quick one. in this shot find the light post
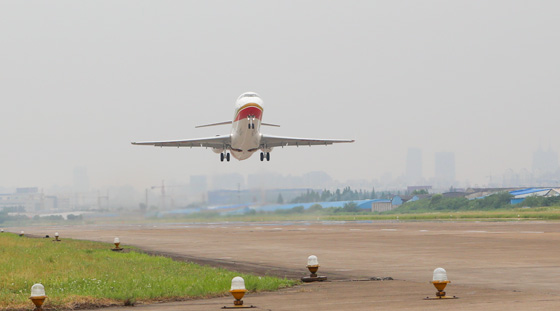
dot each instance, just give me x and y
(440, 281)
(238, 290)
(38, 296)
(117, 242)
(313, 267)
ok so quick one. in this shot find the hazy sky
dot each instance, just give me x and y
(80, 80)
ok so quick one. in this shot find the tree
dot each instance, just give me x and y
(351, 207)
(298, 209)
(420, 192)
(315, 207)
(280, 199)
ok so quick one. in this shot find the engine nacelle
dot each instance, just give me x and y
(218, 150)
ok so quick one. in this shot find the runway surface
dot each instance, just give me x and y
(491, 265)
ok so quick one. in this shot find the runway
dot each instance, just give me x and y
(491, 265)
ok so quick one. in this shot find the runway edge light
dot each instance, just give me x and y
(440, 281)
(38, 296)
(313, 267)
(56, 237)
(238, 290)
(117, 242)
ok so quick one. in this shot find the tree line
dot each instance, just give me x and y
(346, 194)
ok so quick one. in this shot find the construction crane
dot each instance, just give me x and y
(163, 194)
(162, 187)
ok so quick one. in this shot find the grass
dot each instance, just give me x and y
(541, 213)
(87, 274)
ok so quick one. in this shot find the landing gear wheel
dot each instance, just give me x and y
(253, 126)
(249, 125)
(227, 156)
(222, 157)
(262, 156)
(268, 156)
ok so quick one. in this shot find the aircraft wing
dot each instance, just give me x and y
(278, 141)
(210, 142)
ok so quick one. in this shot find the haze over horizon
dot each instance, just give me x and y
(80, 80)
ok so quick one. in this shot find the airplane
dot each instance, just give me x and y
(245, 137)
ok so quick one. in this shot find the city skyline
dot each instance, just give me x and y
(544, 164)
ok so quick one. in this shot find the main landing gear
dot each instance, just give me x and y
(223, 156)
(265, 155)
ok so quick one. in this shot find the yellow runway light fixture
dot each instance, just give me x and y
(117, 242)
(440, 281)
(38, 296)
(1, 230)
(21, 233)
(313, 267)
(56, 237)
(238, 290)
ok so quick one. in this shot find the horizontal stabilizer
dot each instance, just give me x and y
(214, 124)
(270, 124)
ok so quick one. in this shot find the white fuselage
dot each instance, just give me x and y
(245, 132)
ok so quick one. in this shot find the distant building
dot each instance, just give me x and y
(376, 205)
(198, 188)
(401, 199)
(382, 206)
(232, 181)
(413, 172)
(520, 195)
(24, 199)
(81, 179)
(477, 193)
(257, 196)
(411, 189)
(545, 162)
(444, 169)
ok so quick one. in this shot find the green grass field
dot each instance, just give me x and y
(541, 213)
(81, 273)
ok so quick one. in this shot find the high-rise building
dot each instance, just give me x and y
(81, 179)
(233, 181)
(444, 168)
(413, 172)
(545, 162)
(198, 188)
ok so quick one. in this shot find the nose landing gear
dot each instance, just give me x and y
(251, 124)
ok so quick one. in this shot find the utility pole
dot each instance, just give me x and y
(162, 187)
(147, 206)
(101, 198)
